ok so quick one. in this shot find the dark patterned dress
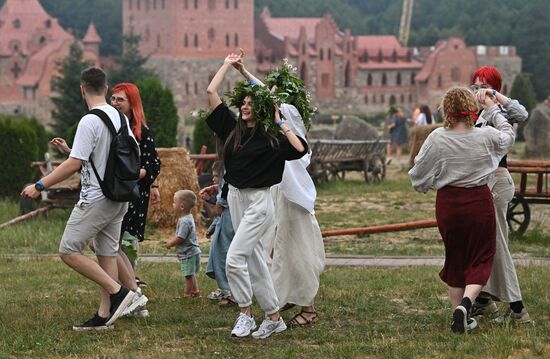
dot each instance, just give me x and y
(134, 220)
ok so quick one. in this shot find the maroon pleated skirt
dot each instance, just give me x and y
(466, 221)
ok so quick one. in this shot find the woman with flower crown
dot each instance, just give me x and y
(296, 247)
(255, 152)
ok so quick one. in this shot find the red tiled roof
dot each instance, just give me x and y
(290, 27)
(37, 63)
(387, 43)
(31, 18)
(91, 36)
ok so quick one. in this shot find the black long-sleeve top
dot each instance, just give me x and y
(134, 219)
(255, 163)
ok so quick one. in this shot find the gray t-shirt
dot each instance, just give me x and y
(92, 141)
(185, 229)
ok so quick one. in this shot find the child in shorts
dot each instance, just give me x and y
(185, 241)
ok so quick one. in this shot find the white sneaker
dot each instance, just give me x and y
(138, 302)
(218, 294)
(269, 327)
(243, 326)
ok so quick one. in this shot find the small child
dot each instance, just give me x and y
(185, 241)
(221, 231)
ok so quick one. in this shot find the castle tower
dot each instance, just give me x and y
(91, 40)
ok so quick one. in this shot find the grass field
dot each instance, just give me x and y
(365, 313)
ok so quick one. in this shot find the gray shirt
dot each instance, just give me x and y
(462, 158)
(185, 229)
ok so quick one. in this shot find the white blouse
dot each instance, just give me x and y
(462, 158)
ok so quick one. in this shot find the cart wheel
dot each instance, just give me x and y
(518, 215)
(27, 205)
(375, 170)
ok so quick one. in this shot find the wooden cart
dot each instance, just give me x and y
(331, 159)
(532, 189)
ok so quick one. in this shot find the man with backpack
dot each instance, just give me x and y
(107, 155)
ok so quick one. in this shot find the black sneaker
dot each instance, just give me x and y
(119, 302)
(94, 323)
(460, 320)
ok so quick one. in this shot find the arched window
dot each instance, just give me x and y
(196, 40)
(158, 41)
(236, 4)
(211, 34)
(138, 5)
(303, 49)
(185, 4)
(398, 79)
(227, 4)
(439, 81)
(48, 23)
(321, 55)
(384, 80)
(17, 23)
(196, 88)
(413, 76)
(369, 80)
(42, 40)
(185, 40)
(347, 76)
(227, 40)
(196, 7)
(187, 88)
(329, 53)
(236, 40)
(393, 100)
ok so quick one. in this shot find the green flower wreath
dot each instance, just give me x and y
(262, 106)
(291, 90)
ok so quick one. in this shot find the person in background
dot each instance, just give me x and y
(503, 284)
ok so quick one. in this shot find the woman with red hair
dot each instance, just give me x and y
(503, 284)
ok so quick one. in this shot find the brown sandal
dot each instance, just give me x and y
(295, 321)
(227, 302)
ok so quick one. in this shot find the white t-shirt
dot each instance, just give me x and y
(421, 120)
(92, 141)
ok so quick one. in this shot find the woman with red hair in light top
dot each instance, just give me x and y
(458, 160)
(503, 284)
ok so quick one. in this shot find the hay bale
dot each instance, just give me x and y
(417, 136)
(177, 172)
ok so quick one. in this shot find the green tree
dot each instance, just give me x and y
(130, 65)
(69, 106)
(160, 111)
(202, 134)
(523, 91)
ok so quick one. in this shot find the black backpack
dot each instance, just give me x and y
(120, 183)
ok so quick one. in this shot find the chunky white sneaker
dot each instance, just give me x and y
(243, 326)
(269, 327)
(138, 302)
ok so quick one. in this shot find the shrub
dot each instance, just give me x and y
(19, 148)
(203, 135)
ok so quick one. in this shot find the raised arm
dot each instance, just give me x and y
(292, 138)
(213, 97)
(244, 71)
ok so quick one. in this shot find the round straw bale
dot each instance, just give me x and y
(417, 136)
(177, 172)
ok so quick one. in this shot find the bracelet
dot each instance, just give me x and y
(280, 122)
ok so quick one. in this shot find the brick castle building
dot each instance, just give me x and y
(31, 44)
(187, 41)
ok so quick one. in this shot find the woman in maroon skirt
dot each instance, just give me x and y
(458, 160)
